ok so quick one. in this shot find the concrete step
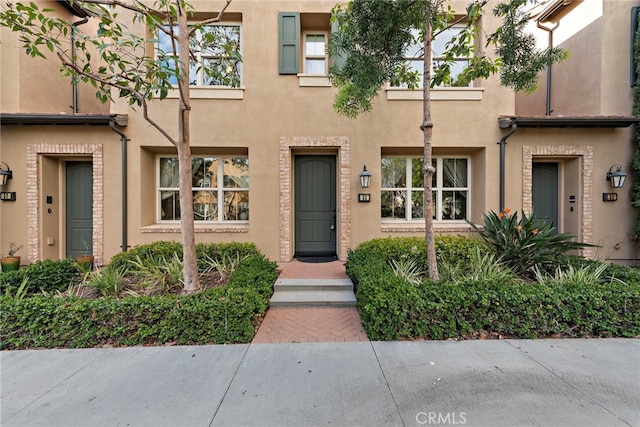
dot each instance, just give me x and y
(313, 285)
(313, 293)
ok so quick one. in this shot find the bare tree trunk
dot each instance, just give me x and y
(427, 129)
(187, 227)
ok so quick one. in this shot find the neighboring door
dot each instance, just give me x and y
(545, 192)
(79, 207)
(315, 205)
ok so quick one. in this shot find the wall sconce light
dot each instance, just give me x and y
(5, 174)
(616, 177)
(365, 177)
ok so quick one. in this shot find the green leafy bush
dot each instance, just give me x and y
(151, 253)
(488, 301)
(227, 314)
(256, 272)
(526, 242)
(216, 316)
(44, 276)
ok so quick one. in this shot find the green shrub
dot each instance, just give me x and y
(453, 250)
(526, 242)
(489, 301)
(217, 316)
(256, 272)
(44, 276)
(220, 251)
(227, 314)
(152, 252)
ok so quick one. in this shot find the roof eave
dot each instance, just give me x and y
(63, 119)
(567, 121)
(74, 8)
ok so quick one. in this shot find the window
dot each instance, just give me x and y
(302, 42)
(217, 60)
(414, 53)
(315, 58)
(220, 188)
(402, 193)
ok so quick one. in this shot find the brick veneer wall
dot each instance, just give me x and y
(34, 193)
(343, 145)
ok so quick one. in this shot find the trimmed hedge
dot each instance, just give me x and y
(217, 316)
(44, 276)
(392, 309)
(225, 315)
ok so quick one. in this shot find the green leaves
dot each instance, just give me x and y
(525, 243)
(485, 301)
(521, 59)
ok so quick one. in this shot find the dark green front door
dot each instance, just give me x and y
(545, 192)
(79, 223)
(315, 205)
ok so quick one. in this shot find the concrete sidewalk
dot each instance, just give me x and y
(579, 382)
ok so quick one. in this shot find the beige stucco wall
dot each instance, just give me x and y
(277, 112)
(35, 85)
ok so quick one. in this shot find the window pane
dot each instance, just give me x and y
(417, 176)
(236, 205)
(454, 205)
(236, 173)
(394, 172)
(221, 72)
(169, 175)
(201, 170)
(315, 66)
(417, 204)
(169, 206)
(217, 40)
(438, 46)
(393, 204)
(454, 173)
(315, 45)
(205, 205)
(434, 177)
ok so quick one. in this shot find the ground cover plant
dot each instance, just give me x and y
(479, 295)
(137, 299)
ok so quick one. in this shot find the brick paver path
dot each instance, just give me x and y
(313, 324)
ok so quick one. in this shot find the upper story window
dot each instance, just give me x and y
(413, 56)
(402, 192)
(315, 57)
(216, 57)
(220, 188)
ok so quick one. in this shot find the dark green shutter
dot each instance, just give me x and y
(289, 42)
(338, 59)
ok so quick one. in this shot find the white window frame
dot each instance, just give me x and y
(200, 74)
(217, 188)
(306, 55)
(437, 190)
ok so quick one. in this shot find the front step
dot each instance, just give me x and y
(313, 293)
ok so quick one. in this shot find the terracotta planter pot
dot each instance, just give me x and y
(85, 262)
(10, 263)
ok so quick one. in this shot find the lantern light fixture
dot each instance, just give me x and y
(617, 177)
(5, 173)
(365, 177)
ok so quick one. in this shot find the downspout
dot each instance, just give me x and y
(123, 141)
(503, 143)
(84, 20)
(548, 109)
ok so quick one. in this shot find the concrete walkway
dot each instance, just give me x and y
(577, 382)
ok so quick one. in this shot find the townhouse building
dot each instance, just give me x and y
(274, 164)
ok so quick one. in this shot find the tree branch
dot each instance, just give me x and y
(218, 17)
